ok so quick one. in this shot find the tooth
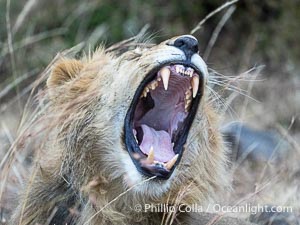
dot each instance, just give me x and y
(171, 163)
(177, 69)
(145, 94)
(190, 71)
(153, 86)
(186, 108)
(147, 89)
(150, 158)
(195, 85)
(187, 105)
(188, 94)
(165, 75)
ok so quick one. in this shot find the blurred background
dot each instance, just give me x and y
(257, 33)
(258, 36)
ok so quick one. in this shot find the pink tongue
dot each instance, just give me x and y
(160, 141)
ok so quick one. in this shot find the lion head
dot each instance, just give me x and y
(137, 119)
(140, 114)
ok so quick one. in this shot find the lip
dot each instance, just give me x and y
(129, 138)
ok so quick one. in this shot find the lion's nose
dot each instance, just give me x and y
(188, 44)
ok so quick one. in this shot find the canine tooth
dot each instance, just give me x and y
(150, 158)
(165, 75)
(147, 89)
(177, 69)
(195, 85)
(171, 163)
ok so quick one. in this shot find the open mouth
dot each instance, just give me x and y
(160, 116)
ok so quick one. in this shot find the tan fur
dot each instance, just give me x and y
(84, 152)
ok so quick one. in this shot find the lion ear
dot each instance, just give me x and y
(64, 71)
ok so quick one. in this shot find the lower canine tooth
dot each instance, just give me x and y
(165, 75)
(150, 158)
(195, 85)
(171, 163)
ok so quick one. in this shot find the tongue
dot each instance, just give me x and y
(160, 141)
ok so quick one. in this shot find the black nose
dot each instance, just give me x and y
(187, 44)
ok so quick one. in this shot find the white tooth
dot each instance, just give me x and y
(188, 94)
(171, 163)
(145, 94)
(195, 85)
(187, 105)
(153, 85)
(177, 69)
(165, 75)
(191, 71)
(150, 158)
(147, 89)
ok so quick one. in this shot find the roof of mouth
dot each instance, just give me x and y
(161, 111)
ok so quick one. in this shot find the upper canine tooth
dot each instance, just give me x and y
(165, 75)
(171, 163)
(150, 158)
(177, 69)
(195, 85)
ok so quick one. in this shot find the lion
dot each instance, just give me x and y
(127, 127)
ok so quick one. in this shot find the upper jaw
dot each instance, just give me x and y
(195, 62)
